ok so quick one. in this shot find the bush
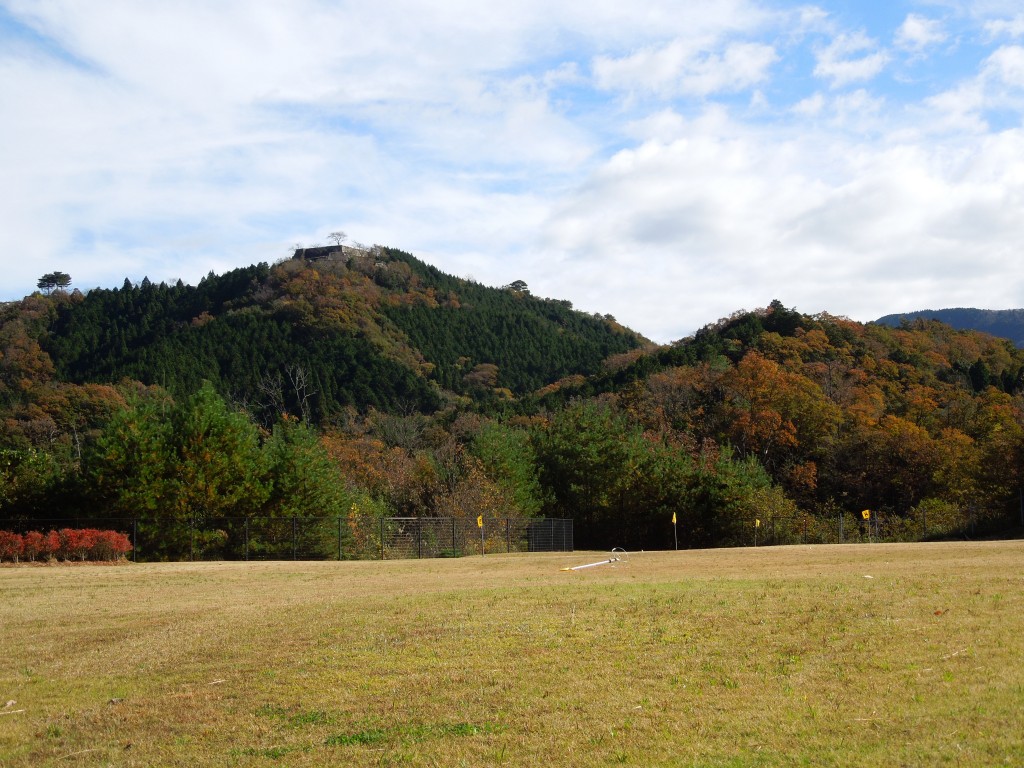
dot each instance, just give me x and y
(110, 545)
(35, 545)
(11, 546)
(66, 544)
(52, 545)
(77, 543)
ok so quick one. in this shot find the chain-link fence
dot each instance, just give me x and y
(362, 537)
(922, 524)
(392, 538)
(325, 538)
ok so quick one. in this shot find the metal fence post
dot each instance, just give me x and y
(247, 539)
(382, 538)
(419, 538)
(135, 540)
(455, 548)
(508, 535)
(295, 539)
(339, 537)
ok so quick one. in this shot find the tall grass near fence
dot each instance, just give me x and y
(865, 655)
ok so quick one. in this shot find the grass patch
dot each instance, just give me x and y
(412, 733)
(294, 719)
(362, 738)
(768, 657)
(272, 753)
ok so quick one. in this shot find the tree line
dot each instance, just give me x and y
(769, 414)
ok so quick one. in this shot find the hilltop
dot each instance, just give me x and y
(330, 329)
(1007, 323)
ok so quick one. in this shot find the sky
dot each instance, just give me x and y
(667, 163)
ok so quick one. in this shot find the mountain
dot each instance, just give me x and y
(356, 384)
(1006, 323)
(327, 330)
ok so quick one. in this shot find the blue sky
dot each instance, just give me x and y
(667, 163)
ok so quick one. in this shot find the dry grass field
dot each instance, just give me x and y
(856, 655)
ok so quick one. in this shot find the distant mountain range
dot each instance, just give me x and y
(1006, 323)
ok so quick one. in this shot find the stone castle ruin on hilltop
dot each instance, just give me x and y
(331, 252)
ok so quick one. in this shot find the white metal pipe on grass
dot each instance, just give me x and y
(618, 556)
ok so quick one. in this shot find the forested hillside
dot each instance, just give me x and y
(375, 329)
(1008, 323)
(496, 403)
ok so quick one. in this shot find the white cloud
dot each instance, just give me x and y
(683, 67)
(655, 69)
(810, 106)
(857, 111)
(918, 32)
(740, 66)
(997, 86)
(728, 216)
(494, 140)
(1006, 67)
(839, 60)
(1013, 27)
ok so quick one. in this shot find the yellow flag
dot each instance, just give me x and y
(757, 523)
(866, 514)
(480, 521)
(673, 518)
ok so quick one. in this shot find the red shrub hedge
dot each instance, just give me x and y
(12, 545)
(110, 545)
(34, 546)
(52, 547)
(66, 544)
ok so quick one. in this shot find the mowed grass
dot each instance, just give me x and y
(760, 657)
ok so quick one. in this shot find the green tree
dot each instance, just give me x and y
(131, 457)
(61, 279)
(659, 488)
(585, 459)
(306, 489)
(508, 458)
(52, 280)
(725, 498)
(180, 469)
(47, 283)
(218, 469)
(28, 479)
(128, 471)
(304, 482)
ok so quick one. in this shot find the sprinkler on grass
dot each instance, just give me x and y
(619, 555)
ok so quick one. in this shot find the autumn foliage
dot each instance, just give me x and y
(66, 544)
(377, 386)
